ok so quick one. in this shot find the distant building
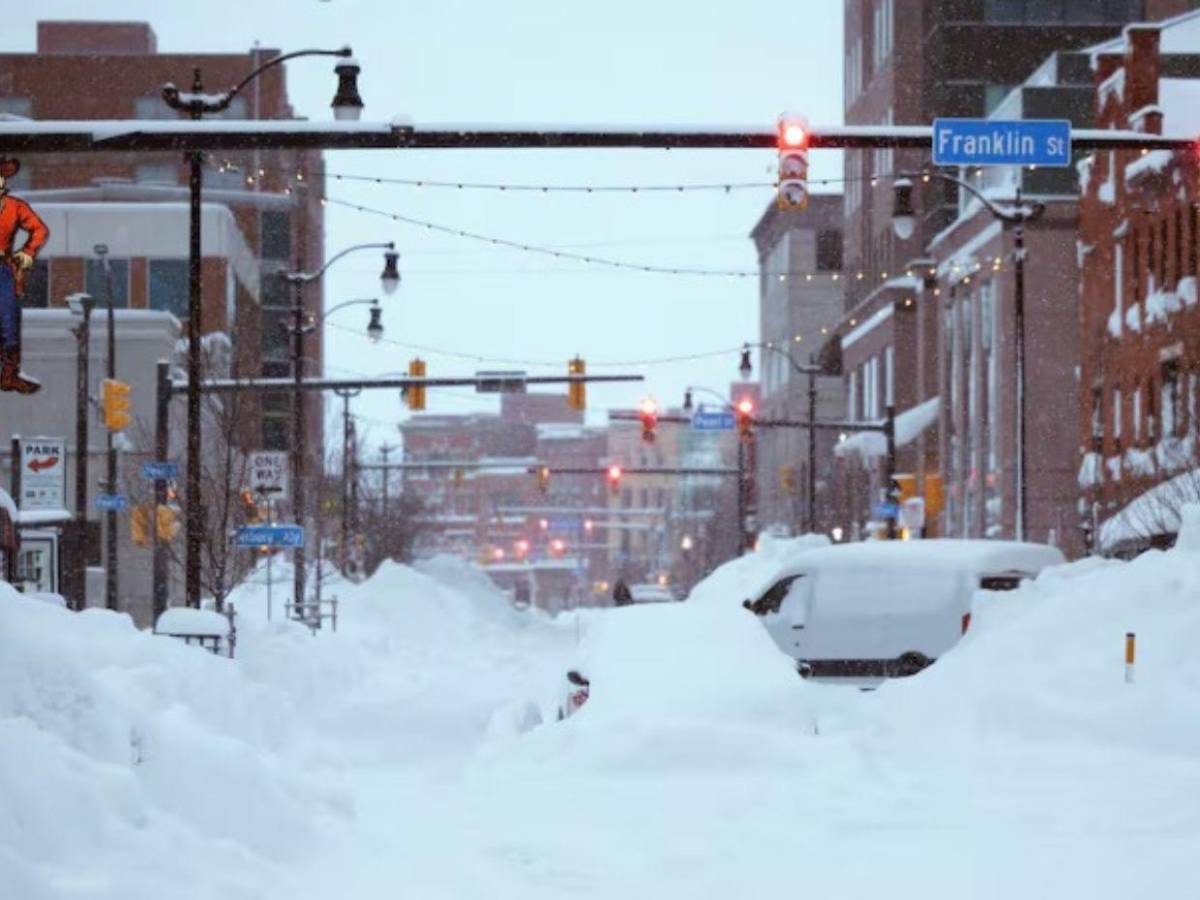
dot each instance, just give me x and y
(800, 301)
(1139, 249)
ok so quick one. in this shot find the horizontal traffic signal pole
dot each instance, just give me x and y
(136, 135)
(287, 385)
(870, 425)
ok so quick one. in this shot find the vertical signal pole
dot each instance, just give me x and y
(162, 410)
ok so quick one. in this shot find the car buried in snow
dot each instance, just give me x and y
(862, 612)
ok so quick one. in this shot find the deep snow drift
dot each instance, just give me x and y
(372, 763)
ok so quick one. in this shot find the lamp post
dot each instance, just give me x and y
(82, 305)
(1015, 217)
(389, 280)
(812, 370)
(110, 480)
(347, 104)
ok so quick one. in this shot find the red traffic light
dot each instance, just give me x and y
(745, 406)
(614, 477)
(522, 548)
(649, 416)
(793, 132)
(558, 546)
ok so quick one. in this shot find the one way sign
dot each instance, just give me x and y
(269, 472)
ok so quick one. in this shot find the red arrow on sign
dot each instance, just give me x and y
(48, 463)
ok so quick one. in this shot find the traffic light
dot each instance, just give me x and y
(614, 478)
(115, 404)
(139, 526)
(543, 478)
(792, 188)
(521, 548)
(558, 547)
(649, 415)
(166, 523)
(745, 417)
(576, 390)
(414, 394)
(249, 506)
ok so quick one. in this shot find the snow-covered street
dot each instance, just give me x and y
(395, 758)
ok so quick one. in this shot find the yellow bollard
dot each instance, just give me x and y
(1130, 641)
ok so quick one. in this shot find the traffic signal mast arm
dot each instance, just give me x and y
(104, 136)
(836, 425)
(287, 385)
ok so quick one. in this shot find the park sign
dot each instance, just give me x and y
(1002, 142)
(43, 473)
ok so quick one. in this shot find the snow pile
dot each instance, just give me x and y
(1045, 663)
(130, 758)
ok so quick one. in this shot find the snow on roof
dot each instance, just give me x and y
(909, 424)
(1178, 35)
(6, 504)
(1156, 511)
(182, 620)
(1179, 99)
(935, 554)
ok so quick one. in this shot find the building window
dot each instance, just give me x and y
(1180, 251)
(1119, 286)
(829, 250)
(852, 397)
(1171, 400)
(157, 173)
(1137, 413)
(889, 376)
(97, 285)
(37, 286)
(167, 286)
(1116, 414)
(153, 107)
(276, 235)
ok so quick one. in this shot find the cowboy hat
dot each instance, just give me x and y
(9, 166)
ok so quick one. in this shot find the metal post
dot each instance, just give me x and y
(812, 449)
(889, 433)
(110, 480)
(78, 563)
(1019, 344)
(195, 513)
(741, 496)
(162, 432)
(14, 484)
(355, 524)
(345, 395)
(298, 438)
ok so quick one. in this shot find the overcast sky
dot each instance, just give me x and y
(621, 61)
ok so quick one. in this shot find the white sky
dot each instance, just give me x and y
(620, 61)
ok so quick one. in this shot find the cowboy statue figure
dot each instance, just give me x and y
(15, 215)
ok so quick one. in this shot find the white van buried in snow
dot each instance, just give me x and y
(880, 609)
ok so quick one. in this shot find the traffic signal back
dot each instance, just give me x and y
(115, 404)
(577, 390)
(414, 395)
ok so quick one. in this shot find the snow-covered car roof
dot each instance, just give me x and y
(950, 555)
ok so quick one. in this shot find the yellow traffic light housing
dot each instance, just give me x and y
(115, 404)
(414, 395)
(139, 526)
(792, 185)
(166, 523)
(577, 390)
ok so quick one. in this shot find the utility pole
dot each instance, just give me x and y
(345, 395)
(1019, 347)
(78, 552)
(162, 407)
(889, 433)
(110, 481)
(812, 446)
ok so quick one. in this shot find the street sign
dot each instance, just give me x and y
(112, 501)
(167, 471)
(268, 471)
(43, 473)
(885, 510)
(1001, 142)
(716, 420)
(912, 513)
(270, 536)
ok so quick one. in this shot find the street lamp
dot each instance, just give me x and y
(390, 279)
(299, 329)
(1015, 216)
(812, 370)
(196, 104)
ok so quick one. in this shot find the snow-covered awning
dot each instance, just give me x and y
(1157, 511)
(909, 424)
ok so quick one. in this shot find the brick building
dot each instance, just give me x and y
(800, 300)
(1139, 403)
(113, 70)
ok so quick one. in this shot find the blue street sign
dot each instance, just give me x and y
(1011, 142)
(164, 470)
(111, 501)
(270, 536)
(564, 523)
(716, 420)
(885, 510)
